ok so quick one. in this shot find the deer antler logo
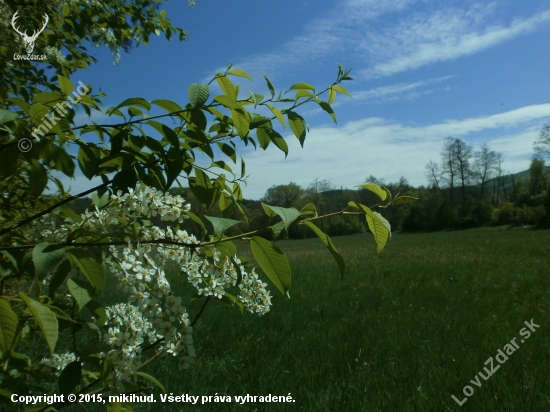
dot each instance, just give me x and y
(29, 40)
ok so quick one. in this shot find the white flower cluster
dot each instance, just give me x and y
(59, 362)
(254, 295)
(140, 270)
(127, 330)
(56, 54)
(47, 228)
(151, 311)
(104, 36)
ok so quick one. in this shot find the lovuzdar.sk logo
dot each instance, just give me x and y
(29, 40)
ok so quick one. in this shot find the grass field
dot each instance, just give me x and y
(402, 332)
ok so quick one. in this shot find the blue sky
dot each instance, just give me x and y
(423, 70)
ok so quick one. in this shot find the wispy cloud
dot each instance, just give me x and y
(422, 38)
(391, 37)
(398, 91)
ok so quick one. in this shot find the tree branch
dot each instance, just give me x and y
(48, 210)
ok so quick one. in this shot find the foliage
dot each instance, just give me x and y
(55, 263)
(284, 195)
(538, 177)
(542, 144)
(546, 203)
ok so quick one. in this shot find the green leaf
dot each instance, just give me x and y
(297, 125)
(272, 261)
(59, 277)
(60, 314)
(150, 378)
(45, 262)
(231, 300)
(196, 219)
(38, 178)
(6, 394)
(202, 188)
(326, 107)
(270, 86)
(228, 102)
(384, 222)
(63, 161)
(133, 112)
(134, 101)
(263, 137)
(100, 201)
(302, 86)
(227, 86)
(240, 121)
(278, 140)
(44, 318)
(70, 377)
(243, 167)
(277, 114)
(373, 187)
(288, 215)
(66, 86)
(268, 211)
(86, 261)
(7, 116)
(221, 224)
(48, 97)
(403, 199)
(388, 194)
(37, 112)
(340, 89)
(309, 209)
(168, 105)
(328, 243)
(20, 102)
(8, 327)
(81, 290)
(88, 160)
(198, 94)
(240, 73)
(226, 204)
(304, 93)
(377, 227)
(228, 249)
(331, 95)
(277, 229)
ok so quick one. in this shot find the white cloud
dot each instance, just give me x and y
(347, 155)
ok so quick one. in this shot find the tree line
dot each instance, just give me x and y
(468, 187)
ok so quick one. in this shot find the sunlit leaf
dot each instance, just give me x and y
(198, 94)
(330, 246)
(240, 73)
(374, 188)
(44, 318)
(45, 262)
(272, 261)
(221, 224)
(8, 327)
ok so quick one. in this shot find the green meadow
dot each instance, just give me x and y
(400, 332)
